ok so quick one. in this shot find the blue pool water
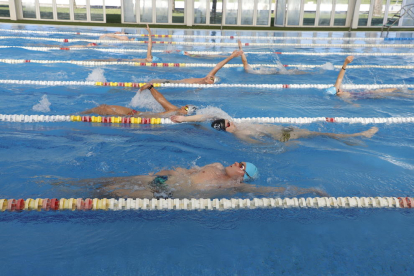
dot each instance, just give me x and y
(39, 159)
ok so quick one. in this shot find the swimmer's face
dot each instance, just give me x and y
(210, 80)
(236, 170)
(230, 127)
(183, 110)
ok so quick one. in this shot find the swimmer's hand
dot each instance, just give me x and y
(178, 119)
(145, 86)
(237, 53)
(349, 59)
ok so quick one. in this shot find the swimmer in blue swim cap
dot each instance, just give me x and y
(347, 95)
(209, 79)
(122, 37)
(169, 108)
(255, 132)
(250, 171)
(209, 181)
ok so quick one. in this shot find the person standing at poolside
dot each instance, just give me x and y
(212, 180)
(170, 109)
(209, 79)
(252, 133)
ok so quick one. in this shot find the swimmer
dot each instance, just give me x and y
(149, 57)
(267, 71)
(185, 53)
(70, 46)
(209, 79)
(252, 133)
(213, 180)
(121, 36)
(347, 96)
(170, 109)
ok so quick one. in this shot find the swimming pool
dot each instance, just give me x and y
(37, 156)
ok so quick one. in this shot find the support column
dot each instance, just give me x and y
(355, 13)
(189, 12)
(12, 9)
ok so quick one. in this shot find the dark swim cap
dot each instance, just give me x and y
(219, 124)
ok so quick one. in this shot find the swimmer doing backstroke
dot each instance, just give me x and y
(170, 109)
(347, 95)
(213, 180)
(149, 58)
(251, 133)
(209, 79)
(267, 71)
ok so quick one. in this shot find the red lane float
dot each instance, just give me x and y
(88, 204)
(80, 204)
(46, 204)
(403, 202)
(410, 202)
(20, 204)
(54, 204)
(11, 205)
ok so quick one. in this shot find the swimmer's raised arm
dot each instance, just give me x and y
(220, 65)
(246, 65)
(149, 50)
(159, 97)
(341, 74)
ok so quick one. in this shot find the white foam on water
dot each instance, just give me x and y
(213, 112)
(43, 105)
(144, 100)
(328, 66)
(97, 75)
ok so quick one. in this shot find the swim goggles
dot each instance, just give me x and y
(243, 167)
(190, 109)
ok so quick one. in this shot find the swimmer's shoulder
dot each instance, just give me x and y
(215, 165)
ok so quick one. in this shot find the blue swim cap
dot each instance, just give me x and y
(154, 58)
(182, 52)
(251, 172)
(331, 90)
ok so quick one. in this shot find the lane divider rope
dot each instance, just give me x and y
(194, 85)
(206, 52)
(112, 204)
(20, 118)
(209, 65)
(213, 36)
(216, 43)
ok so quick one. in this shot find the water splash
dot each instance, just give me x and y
(328, 66)
(96, 75)
(144, 100)
(213, 112)
(43, 105)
